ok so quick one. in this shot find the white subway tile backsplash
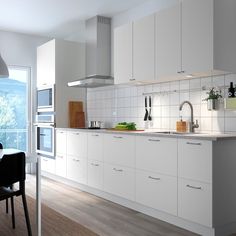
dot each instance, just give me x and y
(115, 104)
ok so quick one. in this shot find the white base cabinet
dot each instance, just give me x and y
(77, 169)
(119, 180)
(61, 165)
(48, 165)
(157, 191)
(95, 174)
(195, 201)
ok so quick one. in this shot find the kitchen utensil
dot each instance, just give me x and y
(94, 124)
(146, 110)
(150, 108)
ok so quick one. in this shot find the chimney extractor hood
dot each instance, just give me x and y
(98, 54)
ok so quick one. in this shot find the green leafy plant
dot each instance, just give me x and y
(213, 94)
(125, 125)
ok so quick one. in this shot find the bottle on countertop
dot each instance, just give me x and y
(231, 90)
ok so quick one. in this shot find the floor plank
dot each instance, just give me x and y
(101, 216)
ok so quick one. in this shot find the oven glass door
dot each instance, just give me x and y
(45, 140)
(45, 99)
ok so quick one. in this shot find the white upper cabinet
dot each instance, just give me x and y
(197, 36)
(168, 42)
(144, 48)
(123, 69)
(46, 61)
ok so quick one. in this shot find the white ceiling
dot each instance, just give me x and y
(56, 18)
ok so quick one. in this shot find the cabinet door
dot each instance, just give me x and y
(197, 36)
(95, 146)
(168, 42)
(119, 181)
(195, 159)
(61, 142)
(123, 54)
(119, 149)
(157, 191)
(95, 174)
(77, 144)
(48, 165)
(143, 48)
(61, 165)
(195, 201)
(157, 154)
(77, 169)
(46, 64)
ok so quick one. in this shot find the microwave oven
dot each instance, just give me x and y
(45, 98)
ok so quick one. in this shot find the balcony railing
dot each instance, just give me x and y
(14, 138)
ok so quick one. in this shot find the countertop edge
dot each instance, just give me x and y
(210, 137)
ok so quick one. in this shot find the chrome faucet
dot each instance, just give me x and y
(192, 125)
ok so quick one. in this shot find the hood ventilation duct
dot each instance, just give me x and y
(98, 54)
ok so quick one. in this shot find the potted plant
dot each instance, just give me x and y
(213, 98)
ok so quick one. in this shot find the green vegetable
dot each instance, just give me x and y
(125, 125)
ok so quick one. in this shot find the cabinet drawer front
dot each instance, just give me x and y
(77, 144)
(61, 165)
(157, 154)
(95, 174)
(119, 149)
(195, 201)
(119, 181)
(195, 159)
(157, 191)
(95, 146)
(48, 165)
(77, 169)
(61, 141)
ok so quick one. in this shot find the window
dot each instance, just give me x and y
(14, 110)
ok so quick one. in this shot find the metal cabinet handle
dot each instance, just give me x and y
(119, 170)
(76, 160)
(132, 79)
(95, 135)
(117, 137)
(190, 143)
(45, 160)
(150, 177)
(92, 164)
(77, 133)
(60, 156)
(190, 186)
(154, 140)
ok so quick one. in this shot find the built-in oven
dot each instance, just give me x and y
(45, 98)
(45, 133)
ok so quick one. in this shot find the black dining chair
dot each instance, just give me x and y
(12, 170)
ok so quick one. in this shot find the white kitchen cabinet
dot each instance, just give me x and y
(95, 174)
(195, 201)
(195, 159)
(168, 42)
(77, 169)
(157, 191)
(184, 39)
(48, 165)
(157, 154)
(119, 180)
(77, 144)
(95, 146)
(144, 48)
(46, 64)
(119, 149)
(61, 165)
(197, 36)
(123, 58)
(61, 141)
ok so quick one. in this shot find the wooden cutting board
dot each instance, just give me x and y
(76, 114)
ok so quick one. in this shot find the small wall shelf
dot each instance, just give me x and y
(230, 103)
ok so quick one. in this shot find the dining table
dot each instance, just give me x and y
(32, 159)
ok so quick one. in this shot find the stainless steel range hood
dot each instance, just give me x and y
(98, 54)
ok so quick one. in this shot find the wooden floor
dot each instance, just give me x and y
(102, 217)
